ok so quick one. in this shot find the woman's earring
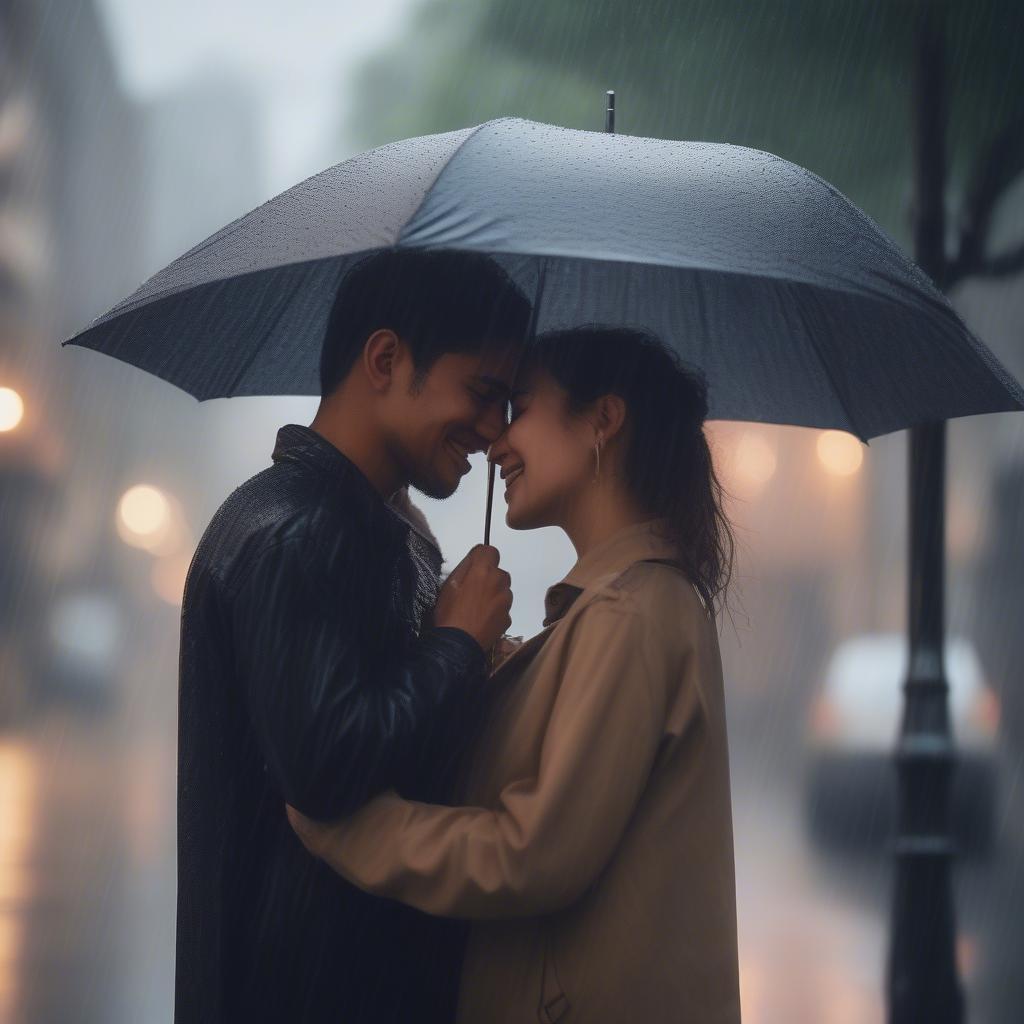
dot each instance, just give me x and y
(597, 457)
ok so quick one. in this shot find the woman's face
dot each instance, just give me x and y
(546, 455)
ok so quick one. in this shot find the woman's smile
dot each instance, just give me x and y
(511, 478)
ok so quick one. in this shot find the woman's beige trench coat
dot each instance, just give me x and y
(595, 850)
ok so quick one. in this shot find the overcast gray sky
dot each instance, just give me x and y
(296, 56)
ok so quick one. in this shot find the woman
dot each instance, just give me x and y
(594, 849)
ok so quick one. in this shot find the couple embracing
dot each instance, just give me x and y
(387, 810)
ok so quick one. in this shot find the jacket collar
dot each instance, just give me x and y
(614, 554)
(296, 443)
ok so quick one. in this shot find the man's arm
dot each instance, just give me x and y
(549, 836)
(341, 697)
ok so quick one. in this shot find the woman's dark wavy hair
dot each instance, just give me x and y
(667, 461)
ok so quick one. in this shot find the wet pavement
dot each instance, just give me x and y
(87, 887)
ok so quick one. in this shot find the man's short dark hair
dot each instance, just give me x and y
(436, 300)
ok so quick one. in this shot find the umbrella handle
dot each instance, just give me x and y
(491, 467)
(490, 499)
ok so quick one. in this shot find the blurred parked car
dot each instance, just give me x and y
(850, 780)
(86, 643)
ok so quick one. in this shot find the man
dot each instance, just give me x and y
(322, 662)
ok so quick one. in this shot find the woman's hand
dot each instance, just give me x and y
(504, 647)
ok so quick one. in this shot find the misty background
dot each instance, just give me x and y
(129, 132)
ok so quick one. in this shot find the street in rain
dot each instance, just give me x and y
(878, 552)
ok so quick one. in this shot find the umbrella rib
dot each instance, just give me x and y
(828, 371)
(542, 270)
(437, 177)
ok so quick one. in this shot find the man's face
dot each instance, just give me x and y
(459, 408)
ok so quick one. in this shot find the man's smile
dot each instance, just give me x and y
(460, 453)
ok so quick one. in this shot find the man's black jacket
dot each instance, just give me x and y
(309, 673)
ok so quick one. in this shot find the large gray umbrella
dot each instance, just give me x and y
(796, 305)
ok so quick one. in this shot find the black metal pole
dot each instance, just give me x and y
(921, 974)
(609, 112)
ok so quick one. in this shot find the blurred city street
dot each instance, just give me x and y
(87, 876)
(129, 133)
(87, 867)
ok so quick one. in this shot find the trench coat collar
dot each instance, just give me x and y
(632, 543)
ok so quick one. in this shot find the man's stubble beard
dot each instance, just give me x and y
(434, 489)
(428, 486)
(422, 479)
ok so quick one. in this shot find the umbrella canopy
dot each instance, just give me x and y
(795, 304)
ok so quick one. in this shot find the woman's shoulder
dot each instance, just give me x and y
(653, 578)
(655, 588)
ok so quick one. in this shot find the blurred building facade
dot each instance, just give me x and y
(102, 493)
(70, 198)
(97, 191)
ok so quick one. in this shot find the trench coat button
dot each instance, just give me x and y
(554, 1009)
